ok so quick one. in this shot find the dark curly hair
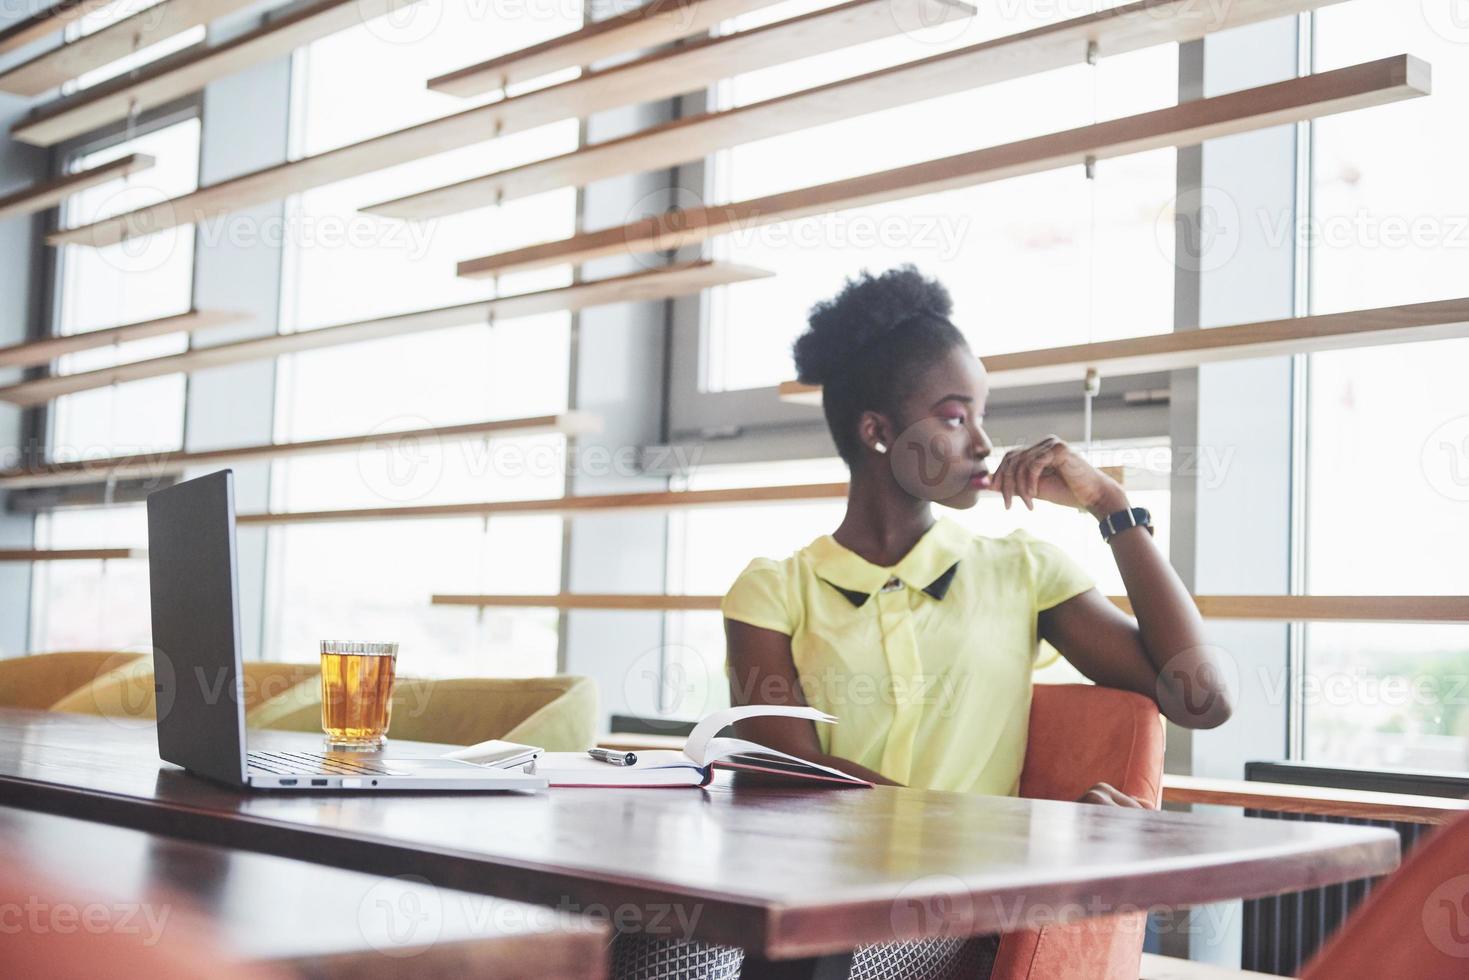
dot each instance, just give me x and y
(867, 345)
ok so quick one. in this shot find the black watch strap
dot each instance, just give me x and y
(1124, 519)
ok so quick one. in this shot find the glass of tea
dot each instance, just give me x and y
(357, 692)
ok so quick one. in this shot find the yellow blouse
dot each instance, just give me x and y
(927, 663)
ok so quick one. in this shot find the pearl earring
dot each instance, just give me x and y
(880, 447)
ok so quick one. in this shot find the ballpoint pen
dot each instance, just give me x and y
(613, 758)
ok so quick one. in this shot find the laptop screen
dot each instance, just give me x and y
(196, 626)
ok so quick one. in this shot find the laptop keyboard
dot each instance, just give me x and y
(306, 763)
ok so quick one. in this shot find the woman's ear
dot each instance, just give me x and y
(874, 431)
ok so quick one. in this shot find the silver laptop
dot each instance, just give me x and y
(194, 584)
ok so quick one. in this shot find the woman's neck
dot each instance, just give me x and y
(883, 522)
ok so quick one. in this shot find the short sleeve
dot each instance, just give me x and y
(758, 597)
(1055, 575)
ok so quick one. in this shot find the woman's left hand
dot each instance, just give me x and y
(1051, 470)
(1105, 794)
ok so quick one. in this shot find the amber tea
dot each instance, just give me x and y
(357, 692)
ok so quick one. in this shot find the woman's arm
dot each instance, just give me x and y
(1162, 653)
(762, 671)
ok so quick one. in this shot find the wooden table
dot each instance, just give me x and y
(318, 922)
(798, 877)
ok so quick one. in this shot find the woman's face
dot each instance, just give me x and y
(939, 447)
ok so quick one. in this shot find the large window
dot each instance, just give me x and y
(1037, 261)
(1388, 429)
(376, 579)
(97, 605)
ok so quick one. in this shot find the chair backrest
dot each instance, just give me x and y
(556, 713)
(126, 692)
(1415, 924)
(1081, 735)
(41, 679)
(189, 944)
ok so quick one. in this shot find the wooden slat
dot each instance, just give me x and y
(44, 351)
(1286, 798)
(654, 23)
(648, 284)
(1408, 324)
(1276, 608)
(70, 554)
(1359, 86)
(112, 43)
(1155, 967)
(1116, 31)
(171, 78)
(1330, 608)
(688, 67)
(584, 600)
(48, 194)
(612, 503)
(152, 465)
(44, 23)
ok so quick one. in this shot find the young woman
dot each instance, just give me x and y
(921, 636)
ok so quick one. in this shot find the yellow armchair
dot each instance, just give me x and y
(42, 679)
(556, 713)
(127, 692)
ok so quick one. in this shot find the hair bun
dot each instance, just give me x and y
(867, 309)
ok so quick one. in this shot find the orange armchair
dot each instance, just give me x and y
(1415, 924)
(1081, 735)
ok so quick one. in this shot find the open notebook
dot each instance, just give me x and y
(694, 766)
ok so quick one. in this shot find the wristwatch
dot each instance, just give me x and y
(1124, 519)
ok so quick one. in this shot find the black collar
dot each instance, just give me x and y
(938, 588)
